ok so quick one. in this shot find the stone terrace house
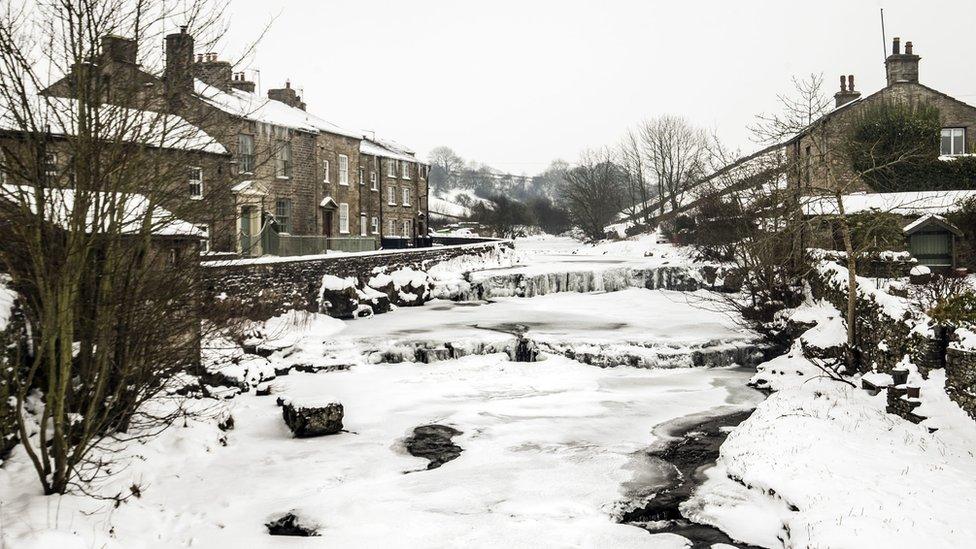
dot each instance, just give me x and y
(165, 144)
(403, 182)
(301, 183)
(809, 152)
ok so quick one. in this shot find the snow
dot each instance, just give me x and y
(127, 210)
(902, 203)
(268, 259)
(856, 475)
(373, 148)
(259, 109)
(336, 284)
(547, 450)
(920, 270)
(443, 207)
(58, 115)
(7, 298)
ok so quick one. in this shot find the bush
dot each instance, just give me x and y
(876, 232)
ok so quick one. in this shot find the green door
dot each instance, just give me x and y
(933, 249)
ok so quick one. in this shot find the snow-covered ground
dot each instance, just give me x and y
(548, 447)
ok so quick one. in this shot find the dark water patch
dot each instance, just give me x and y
(693, 448)
(433, 442)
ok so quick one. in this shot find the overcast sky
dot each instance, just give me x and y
(518, 83)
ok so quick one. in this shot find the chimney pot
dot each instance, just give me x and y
(908, 48)
(896, 46)
(843, 83)
(183, 29)
(850, 82)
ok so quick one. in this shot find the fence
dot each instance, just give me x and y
(286, 245)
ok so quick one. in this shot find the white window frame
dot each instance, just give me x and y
(362, 224)
(373, 181)
(407, 228)
(242, 166)
(283, 160)
(343, 170)
(51, 167)
(325, 169)
(391, 195)
(198, 182)
(391, 168)
(362, 176)
(375, 225)
(391, 230)
(205, 242)
(953, 133)
(405, 170)
(406, 196)
(343, 218)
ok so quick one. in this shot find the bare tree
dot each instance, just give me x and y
(675, 153)
(93, 239)
(631, 158)
(594, 192)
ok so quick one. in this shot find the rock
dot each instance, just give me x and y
(412, 287)
(263, 389)
(312, 419)
(291, 524)
(339, 297)
(434, 443)
(378, 301)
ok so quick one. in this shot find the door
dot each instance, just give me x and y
(246, 230)
(933, 249)
(327, 223)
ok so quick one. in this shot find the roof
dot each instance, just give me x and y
(328, 202)
(372, 147)
(57, 115)
(259, 109)
(903, 203)
(928, 220)
(129, 210)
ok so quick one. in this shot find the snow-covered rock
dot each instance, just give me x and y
(312, 417)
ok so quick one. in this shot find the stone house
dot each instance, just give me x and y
(404, 193)
(812, 150)
(189, 171)
(299, 184)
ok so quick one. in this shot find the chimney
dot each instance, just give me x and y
(902, 67)
(179, 63)
(847, 92)
(119, 49)
(240, 82)
(213, 71)
(287, 95)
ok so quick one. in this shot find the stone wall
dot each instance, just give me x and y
(262, 288)
(961, 378)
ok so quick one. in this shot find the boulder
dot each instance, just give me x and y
(292, 524)
(378, 301)
(312, 419)
(433, 442)
(339, 297)
(412, 287)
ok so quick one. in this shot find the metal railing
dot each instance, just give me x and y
(289, 244)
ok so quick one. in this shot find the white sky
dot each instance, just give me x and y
(516, 84)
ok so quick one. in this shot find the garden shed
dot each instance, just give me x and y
(932, 240)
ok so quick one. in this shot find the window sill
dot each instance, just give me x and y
(343, 232)
(196, 197)
(283, 177)
(391, 204)
(344, 184)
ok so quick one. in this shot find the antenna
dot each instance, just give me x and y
(884, 38)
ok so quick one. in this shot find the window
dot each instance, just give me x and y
(406, 228)
(283, 159)
(205, 243)
(344, 218)
(392, 230)
(362, 176)
(405, 168)
(174, 257)
(373, 185)
(283, 214)
(362, 224)
(391, 168)
(325, 172)
(50, 167)
(375, 225)
(343, 169)
(421, 172)
(953, 141)
(391, 195)
(406, 196)
(245, 153)
(808, 165)
(195, 178)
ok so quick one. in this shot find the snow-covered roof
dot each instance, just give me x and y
(58, 115)
(371, 147)
(328, 202)
(269, 111)
(931, 219)
(129, 210)
(903, 203)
